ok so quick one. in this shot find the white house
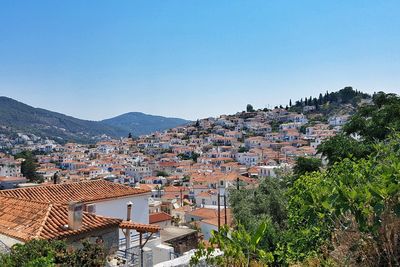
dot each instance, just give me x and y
(338, 120)
(100, 197)
(248, 159)
(10, 167)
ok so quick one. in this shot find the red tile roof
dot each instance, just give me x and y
(26, 220)
(204, 213)
(159, 217)
(87, 191)
(139, 227)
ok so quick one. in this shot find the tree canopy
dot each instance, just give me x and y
(347, 214)
(29, 166)
(249, 108)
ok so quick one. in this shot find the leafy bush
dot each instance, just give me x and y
(43, 253)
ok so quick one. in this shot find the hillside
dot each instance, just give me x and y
(344, 101)
(139, 123)
(17, 117)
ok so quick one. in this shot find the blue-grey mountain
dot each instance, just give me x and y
(17, 117)
(139, 123)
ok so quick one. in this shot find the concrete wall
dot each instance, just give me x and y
(108, 236)
(117, 208)
(9, 241)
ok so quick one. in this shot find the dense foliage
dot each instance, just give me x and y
(371, 123)
(240, 247)
(330, 103)
(29, 166)
(346, 214)
(356, 199)
(42, 253)
(306, 164)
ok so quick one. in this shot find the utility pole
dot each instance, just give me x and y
(226, 219)
(181, 198)
(237, 183)
(141, 249)
(219, 213)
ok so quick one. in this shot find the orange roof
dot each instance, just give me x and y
(11, 178)
(87, 191)
(214, 221)
(26, 220)
(159, 217)
(173, 188)
(139, 227)
(204, 213)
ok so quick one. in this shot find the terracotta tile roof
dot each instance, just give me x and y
(204, 213)
(26, 220)
(139, 227)
(159, 217)
(13, 179)
(173, 188)
(214, 221)
(87, 191)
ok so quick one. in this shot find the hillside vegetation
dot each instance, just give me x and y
(17, 117)
(139, 123)
(344, 214)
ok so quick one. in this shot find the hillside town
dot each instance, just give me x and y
(176, 182)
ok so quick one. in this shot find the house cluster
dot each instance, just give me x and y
(21, 141)
(178, 180)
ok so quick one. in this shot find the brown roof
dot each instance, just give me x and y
(26, 220)
(87, 191)
(12, 178)
(159, 217)
(139, 227)
(214, 221)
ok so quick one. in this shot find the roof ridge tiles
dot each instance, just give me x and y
(42, 225)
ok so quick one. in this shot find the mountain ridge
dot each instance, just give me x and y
(18, 117)
(131, 122)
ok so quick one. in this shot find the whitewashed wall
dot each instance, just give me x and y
(117, 208)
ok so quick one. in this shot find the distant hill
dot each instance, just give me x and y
(344, 101)
(139, 123)
(17, 117)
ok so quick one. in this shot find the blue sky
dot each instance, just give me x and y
(193, 59)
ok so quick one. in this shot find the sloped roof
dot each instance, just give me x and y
(27, 220)
(206, 213)
(139, 227)
(159, 217)
(86, 191)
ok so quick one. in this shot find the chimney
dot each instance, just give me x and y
(75, 215)
(128, 218)
(129, 211)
